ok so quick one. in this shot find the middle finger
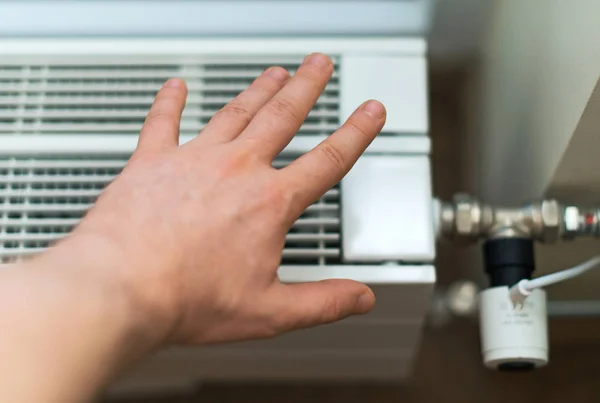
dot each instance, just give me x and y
(277, 122)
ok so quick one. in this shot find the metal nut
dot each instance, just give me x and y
(467, 216)
(551, 215)
(571, 220)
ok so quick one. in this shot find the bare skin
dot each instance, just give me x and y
(183, 247)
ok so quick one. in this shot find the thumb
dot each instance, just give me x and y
(311, 304)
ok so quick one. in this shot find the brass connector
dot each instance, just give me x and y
(467, 219)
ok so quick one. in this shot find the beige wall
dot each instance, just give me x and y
(541, 63)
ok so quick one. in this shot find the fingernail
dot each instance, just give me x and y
(319, 59)
(365, 302)
(174, 82)
(374, 109)
(278, 73)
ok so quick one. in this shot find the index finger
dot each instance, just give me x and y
(323, 167)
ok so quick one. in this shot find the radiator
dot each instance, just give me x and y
(70, 112)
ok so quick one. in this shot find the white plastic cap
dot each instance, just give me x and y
(511, 337)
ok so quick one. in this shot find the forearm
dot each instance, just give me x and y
(62, 335)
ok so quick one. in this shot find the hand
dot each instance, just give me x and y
(193, 234)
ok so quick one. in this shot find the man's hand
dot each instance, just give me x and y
(193, 234)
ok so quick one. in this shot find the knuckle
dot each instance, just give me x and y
(358, 128)
(277, 325)
(274, 192)
(235, 111)
(334, 155)
(158, 115)
(277, 199)
(235, 161)
(285, 109)
(226, 304)
(332, 310)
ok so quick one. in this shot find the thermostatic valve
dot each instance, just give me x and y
(513, 318)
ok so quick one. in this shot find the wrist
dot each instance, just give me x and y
(102, 272)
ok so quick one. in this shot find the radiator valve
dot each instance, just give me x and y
(514, 330)
(468, 220)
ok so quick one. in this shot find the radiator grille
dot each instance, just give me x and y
(42, 196)
(90, 96)
(42, 199)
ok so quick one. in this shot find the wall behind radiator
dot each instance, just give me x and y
(539, 67)
(541, 61)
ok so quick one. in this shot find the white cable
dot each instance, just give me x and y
(520, 291)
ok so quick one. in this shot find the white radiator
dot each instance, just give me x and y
(70, 112)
